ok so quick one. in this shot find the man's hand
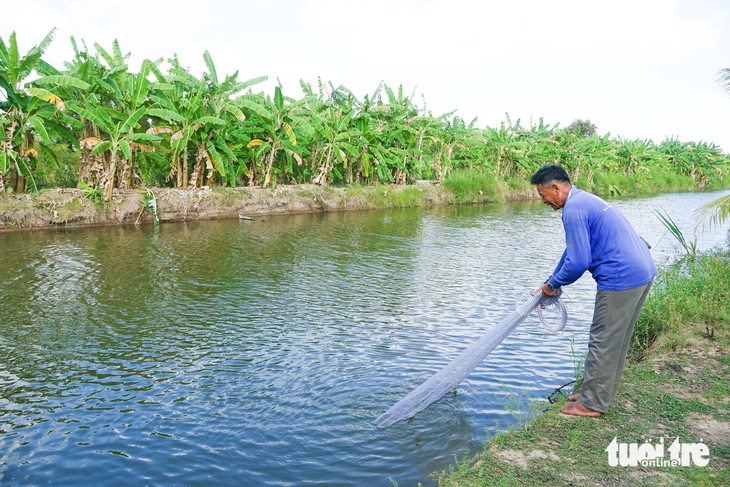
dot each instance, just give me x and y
(546, 291)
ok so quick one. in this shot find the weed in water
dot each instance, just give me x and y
(689, 246)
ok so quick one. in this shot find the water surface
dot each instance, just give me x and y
(241, 353)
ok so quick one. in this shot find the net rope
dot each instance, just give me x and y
(450, 376)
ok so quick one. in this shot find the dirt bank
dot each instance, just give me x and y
(55, 208)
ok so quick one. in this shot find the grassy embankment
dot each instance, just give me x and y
(676, 385)
(59, 207)
(470, 187)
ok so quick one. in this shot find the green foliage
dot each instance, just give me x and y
(385, 196)
(150, 203)
(93, 193)
(581, 128)
(59, 169)
(578, 364)
(691, 292)
(690, 246)
(654, 401)
(513, 402)
(520, 184)
(663, 181)
(27, 113)
(473, 188)
(613, 184)
(714, 213)
(170, 127)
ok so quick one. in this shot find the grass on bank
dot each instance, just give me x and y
(619, 184)
(680, 388)
(471, 187)
(695, 292)
(386, 196)
(655, 401)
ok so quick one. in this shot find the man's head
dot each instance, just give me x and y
(553, 185)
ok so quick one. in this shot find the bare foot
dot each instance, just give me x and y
(578, 409)
(574, 398)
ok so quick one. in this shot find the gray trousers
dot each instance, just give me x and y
(614, 318)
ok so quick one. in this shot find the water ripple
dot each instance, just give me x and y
(260, 352)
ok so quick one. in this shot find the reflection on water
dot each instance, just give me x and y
(232, 352)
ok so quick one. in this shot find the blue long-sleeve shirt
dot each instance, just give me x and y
(598, 238)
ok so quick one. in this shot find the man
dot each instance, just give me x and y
(599, 239)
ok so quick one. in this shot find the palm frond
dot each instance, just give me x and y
(723, 79)
(713, 214)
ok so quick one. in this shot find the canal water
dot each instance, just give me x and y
(259, 352)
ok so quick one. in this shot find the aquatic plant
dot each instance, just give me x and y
(690, 246)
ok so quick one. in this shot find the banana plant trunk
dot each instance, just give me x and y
(125, 174)
(17, 181)
(184, 169)
(110, 176)
(436, 166)
(177, 169)
(270, 163)
(90, 166)
(324, 169)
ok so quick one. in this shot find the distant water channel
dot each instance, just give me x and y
(259, 352)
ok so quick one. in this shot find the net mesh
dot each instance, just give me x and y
(449, 377)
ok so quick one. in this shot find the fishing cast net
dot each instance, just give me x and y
(449, 377)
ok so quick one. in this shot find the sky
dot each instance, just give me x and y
(637, 69)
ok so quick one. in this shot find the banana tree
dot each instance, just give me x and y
(118, 130)
(216, 146)
(429, 129)
(121, 93)
(29, 111)
(375, 155)
(90, 69)
(456, 144)
(177, 100)
(696, 160)
(90, 73)
(338, 144)
(400, 138)
(274, 120)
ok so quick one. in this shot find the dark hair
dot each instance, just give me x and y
(546, 174)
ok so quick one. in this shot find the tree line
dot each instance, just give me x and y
(171, 128)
